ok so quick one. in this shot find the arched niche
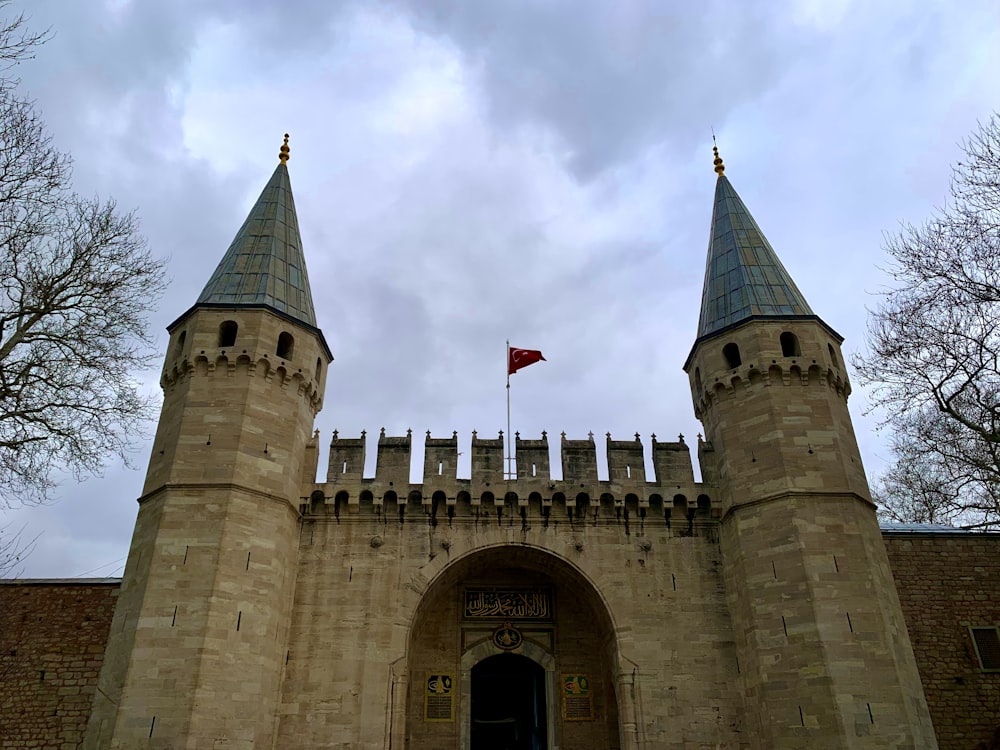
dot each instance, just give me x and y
(577, 638)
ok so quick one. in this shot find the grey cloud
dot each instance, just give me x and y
(613, 78)
(469, 172)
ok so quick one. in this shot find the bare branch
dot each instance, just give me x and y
(933, 360)
(76, 284)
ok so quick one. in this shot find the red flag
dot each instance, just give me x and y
(518, 358)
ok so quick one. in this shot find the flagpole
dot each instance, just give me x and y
(507, 474)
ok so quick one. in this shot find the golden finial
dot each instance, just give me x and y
(283, 155)
(719, 166)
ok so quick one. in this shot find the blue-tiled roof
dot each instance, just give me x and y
(743, 276)
(264, 265)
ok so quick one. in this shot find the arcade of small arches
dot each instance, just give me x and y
(294, 382)
(284, 348)
(732, 359)
(776, 374)
(559, 506)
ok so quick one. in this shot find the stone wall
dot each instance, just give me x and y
(375, 614)
(947, 583)
(52, 639)
(53, 632)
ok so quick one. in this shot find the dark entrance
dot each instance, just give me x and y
(508, 704)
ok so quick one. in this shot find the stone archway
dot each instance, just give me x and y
(521, 600)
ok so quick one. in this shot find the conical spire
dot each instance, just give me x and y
(743, 276)
(264, 265)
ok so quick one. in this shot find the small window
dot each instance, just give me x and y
(319, 367)
(833, 355)
(790, 345)
(732, 354)
(697, 380)
(987, 642)
(180, 342)
(227, 333)
(285, 345)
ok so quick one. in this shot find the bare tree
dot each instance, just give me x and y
(933, 358)
(76, 282)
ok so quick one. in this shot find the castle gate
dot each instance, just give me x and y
(511, 647)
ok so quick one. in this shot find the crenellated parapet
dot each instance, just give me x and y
(528, 490)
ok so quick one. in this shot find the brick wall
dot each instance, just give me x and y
(52, 638)
(948, 582)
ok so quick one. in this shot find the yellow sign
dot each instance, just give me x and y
(578, 703)
(439, 697)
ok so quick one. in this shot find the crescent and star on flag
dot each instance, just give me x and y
(518, 358)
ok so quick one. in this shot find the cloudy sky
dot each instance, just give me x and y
(469, 172)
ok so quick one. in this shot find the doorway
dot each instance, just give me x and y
(508, 704)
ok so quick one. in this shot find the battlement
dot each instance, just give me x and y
(530, 485)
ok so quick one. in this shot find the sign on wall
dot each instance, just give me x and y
(508, 604)
(578, 701)
(439, 697)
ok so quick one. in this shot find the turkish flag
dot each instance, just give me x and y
(518, 358)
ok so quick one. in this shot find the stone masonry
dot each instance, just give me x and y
(52, 639)
(949, 582)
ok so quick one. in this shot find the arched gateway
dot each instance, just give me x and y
(511, 648)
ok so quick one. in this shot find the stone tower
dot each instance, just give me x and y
(824, 657)
(198, 640)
